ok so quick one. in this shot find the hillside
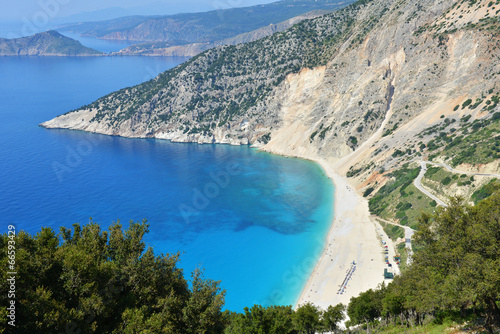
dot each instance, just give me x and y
(190, 50)
(205, 27)
(49, 43)
(372, 89)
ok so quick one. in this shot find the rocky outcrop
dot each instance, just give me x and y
(50, 43)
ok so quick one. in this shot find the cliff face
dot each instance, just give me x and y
(408, 74)
(49, 43)
(361, 86)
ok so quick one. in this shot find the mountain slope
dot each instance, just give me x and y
(206, 27)
(190, 50)
(49, 43)
(371, 88)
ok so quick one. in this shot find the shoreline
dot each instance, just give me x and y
(352, 236)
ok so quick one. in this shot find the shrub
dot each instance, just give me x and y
(368, 191)
(446, 181)
(466, 103)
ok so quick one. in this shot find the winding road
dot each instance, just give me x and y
(423, 169)
(418, 183)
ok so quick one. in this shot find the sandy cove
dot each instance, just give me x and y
(353, 236)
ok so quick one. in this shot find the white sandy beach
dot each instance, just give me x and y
(353, 236)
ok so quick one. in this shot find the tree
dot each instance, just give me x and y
(331, 317)
(460, 258)
(202, 313)
(366, 307)
(93, 281)
(306, 319)
(259, 319)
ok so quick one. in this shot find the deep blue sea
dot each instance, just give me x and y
(253, 220)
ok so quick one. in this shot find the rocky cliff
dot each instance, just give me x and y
(372, 86)
(50, 43)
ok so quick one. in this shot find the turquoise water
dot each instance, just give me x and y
(253, 220)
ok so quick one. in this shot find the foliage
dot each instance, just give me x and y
(284, 320)
(95, 281)
(485, 191)
(98, 281)
(455, 270)
(475, 142)
(332, 316)
(366, 307)
(306, 319)
(393, 231)
(259, 319)
(460, 251)
(399, 199)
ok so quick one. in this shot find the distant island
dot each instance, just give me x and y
(49, 43)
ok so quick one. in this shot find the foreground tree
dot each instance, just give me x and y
(259, 319)
(93, 281)
(332, 316)
(366, 307)
(459, 261)
(307, 319)
(455, 270)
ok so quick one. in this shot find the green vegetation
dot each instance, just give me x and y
(454, 275)
(403, 254)
(352, 172)
(399, 199)
(307, 319)
(393, 231)
(486, 191)
(98, 281)
(444, 182)
(474, 142)
(466, 103)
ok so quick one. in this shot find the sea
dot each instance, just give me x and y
(254, 221)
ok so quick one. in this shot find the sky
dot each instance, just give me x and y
(39, 11)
